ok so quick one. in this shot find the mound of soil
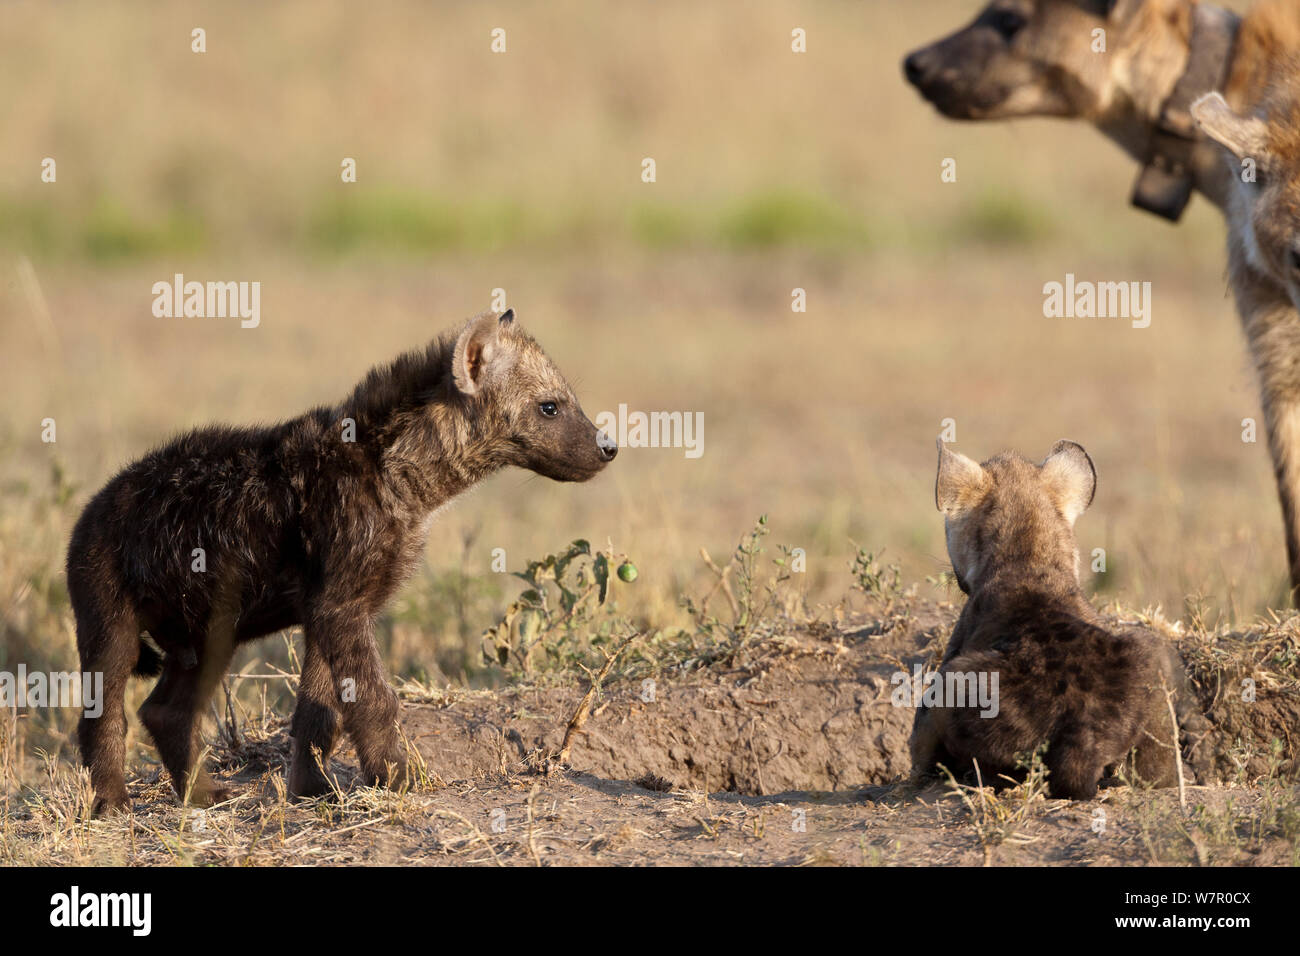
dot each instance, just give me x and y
(1249, 687)
(790, 758)
(810, 712)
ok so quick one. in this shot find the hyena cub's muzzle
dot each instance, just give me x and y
(580, 455)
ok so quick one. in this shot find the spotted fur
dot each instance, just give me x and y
(1090, 694)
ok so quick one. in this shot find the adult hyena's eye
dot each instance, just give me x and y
(549, 409)
(1007, 22)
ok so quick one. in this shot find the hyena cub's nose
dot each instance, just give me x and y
(608, 448)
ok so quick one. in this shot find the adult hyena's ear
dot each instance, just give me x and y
(1071, 478)
(1243, 136)
(481, 351)
(1121, 11)
(961, 482)
(1106, 8)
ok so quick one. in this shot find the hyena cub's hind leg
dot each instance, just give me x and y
(108, 643)
(1175, 730)
(1073, 770)
(171, 715)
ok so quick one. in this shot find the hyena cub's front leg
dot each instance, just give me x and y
(316, 724)
(345, 639)
(926, 745)
(923, 744)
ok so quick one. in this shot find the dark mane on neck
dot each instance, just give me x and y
(409, 380)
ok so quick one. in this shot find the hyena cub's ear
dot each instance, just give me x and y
(1243, 136)
(1070, 476)
(481, 351)
(961, 482)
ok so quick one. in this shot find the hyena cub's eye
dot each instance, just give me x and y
(549, 409)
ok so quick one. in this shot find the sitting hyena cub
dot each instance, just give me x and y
(1092, 695)
(229, 534)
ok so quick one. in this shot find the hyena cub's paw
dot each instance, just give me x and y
(383, 760)
(306, 779)
(395, 774)
(111, 806)
(209, 795)
(1199, 750)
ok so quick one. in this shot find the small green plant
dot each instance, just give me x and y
(878, 581)
(561, 620)
(753, 601)
(448, 606)
(945, 581)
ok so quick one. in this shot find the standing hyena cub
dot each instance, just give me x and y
(229, 534)
(1090, 694)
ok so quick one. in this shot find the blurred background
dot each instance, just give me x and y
(522, 171)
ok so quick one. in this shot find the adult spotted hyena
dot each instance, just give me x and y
(1134, 69)
(1066, 680)
(229, 534)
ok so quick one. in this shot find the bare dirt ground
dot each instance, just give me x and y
(792, 755)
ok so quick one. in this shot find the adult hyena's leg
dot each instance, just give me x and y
(345, 634)
(315, 723)
(1274, 333)
(1282, 419)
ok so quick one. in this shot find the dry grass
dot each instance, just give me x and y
(513, 813)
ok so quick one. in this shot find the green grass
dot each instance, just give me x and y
(786, 217)
(1001, 218)
(395, 220)
(103, 230)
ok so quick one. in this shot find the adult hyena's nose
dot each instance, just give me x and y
(608, 447)
(916, 66)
